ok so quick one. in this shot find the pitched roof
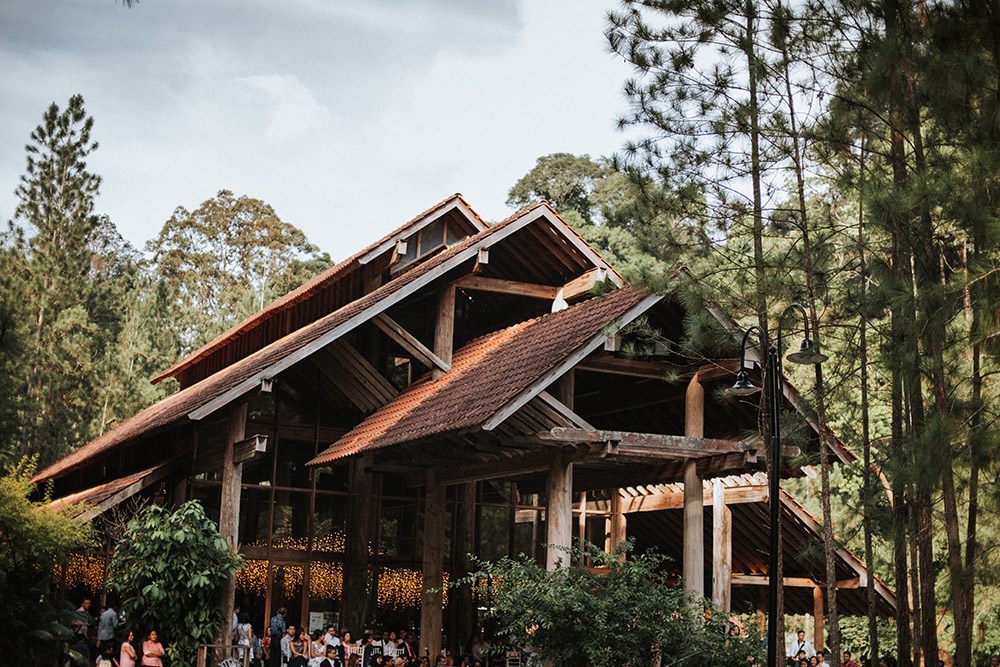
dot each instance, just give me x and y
(311, 286)
(485, 376)
(213, 392)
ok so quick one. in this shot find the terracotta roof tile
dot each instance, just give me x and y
(303, 291)
(177, 406)
(486, 375)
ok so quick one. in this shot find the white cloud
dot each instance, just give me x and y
(347, 117)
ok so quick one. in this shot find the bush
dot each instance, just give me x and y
(170, 568)
(34, 542)
(627, 614)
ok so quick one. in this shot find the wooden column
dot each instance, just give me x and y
(618, 528)
(359, 537)
(694, 504)
(444, 332)
(460, 599)
(433, 566)
(559, 512)
(818, 619)
(229, 509)
(722, 548)
(581, 523)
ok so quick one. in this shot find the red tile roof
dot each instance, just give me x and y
(485, 376)
(177, 406)
(303, 291)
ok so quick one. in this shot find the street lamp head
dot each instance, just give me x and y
(808, 354)
(743, 386)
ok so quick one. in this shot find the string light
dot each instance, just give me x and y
(85, 570)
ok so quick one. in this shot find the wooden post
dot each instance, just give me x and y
(229, 509)
(694, 504)
(460, 599)
(559, 512)
(581, 523)
(722, 548)
(433, 566)
(617, 529)
(359, 522)
(818, 620)
(444, 333)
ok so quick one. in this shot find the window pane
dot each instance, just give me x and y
(329, 523)
(292, 458)
(208, 495)
(431, 236)
(291, 520)
(255, 507)
(396, 536)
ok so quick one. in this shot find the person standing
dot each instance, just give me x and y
(127, 656)
(278, 628)
(244, 635)
(152, 651)
(106, 627)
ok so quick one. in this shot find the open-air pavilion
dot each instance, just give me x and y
(459, 388)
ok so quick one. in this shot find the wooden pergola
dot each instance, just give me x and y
(411, 382)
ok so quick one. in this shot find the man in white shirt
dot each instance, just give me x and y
(800, 644)
(821, 659)
(331, 638)
(286, 645)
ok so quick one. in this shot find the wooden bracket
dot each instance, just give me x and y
(248, 448)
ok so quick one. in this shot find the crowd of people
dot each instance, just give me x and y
(108, 643)
(287, 645)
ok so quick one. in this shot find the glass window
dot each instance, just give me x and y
(291, 520)
(431, 236)
(209, 497)
(291, 471)
(493, 530)
(255, 512)
(332, 476)
(453, 234)
(329, 522)
(396, 535)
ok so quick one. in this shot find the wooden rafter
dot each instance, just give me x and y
(513, 287)
(408, 342)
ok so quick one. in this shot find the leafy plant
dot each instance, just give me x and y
(624, 611)
(170, 568)
(34, 541)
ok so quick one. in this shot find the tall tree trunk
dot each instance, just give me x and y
(829, 545)
(866, 441)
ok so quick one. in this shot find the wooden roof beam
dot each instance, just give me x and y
(408, 342)
(511, 287)
(649, 445)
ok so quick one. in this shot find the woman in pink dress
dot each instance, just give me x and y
(127, 656)
(152, 651)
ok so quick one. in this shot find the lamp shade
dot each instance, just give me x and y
(743, 386)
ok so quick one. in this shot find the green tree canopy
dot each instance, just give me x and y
(628, 614)
(34, 541)
(225, 260)
(170, 568)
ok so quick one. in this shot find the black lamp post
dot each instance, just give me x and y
(807, 354)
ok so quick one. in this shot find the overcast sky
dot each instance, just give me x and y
(349, 117)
